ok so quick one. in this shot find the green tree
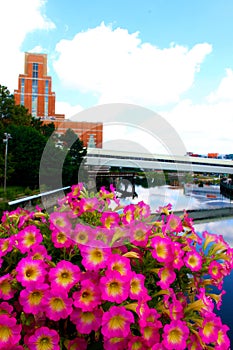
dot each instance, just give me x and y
(25, 151)
(74, 158)
(10, 113)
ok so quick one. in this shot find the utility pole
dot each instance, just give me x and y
(7, 137)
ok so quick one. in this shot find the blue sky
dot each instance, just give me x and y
(173, 57)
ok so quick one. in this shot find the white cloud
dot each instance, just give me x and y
(67, 109)
(119, 67)
(18, 18)
(204, 128)
(224, 90)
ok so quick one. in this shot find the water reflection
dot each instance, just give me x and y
(162, 195)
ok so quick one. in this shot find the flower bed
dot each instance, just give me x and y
(95, 275)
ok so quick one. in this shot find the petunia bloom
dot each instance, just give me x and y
(114, 287)
(44, 338)
(28, 238)
(175, 335)
(110, 219)
(94, 258)
(29, 270)
(64, 275)
(88, 297)
(86, 321)
(116, 322)
(193, 260)
(167, 277)
(57, 304)
(32, 298)
(162, 249)
(6, 289)
(9, 331)
(137, 288)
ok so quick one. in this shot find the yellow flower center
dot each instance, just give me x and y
(57, 304)
(117, 322)
(175, 336)
(35, 298)
(96, 256)
(139, 235)
(29, 239)
(44, 343)
(87, 317)
(61, 237)
(114, 288)
(5, 333)
(5, 287)
(135, 286)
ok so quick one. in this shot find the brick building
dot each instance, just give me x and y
(35, 93)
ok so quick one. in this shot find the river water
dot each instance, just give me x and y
(162, 195)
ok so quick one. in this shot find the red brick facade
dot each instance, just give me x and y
(35, 93)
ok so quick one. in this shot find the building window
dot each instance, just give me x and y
(35, 70)
(22, 91)
(34, 86)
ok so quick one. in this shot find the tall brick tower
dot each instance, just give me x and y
(35, 93)
(35, 88)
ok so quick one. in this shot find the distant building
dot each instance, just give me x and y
(35, 93)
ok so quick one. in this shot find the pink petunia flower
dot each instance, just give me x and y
(9, 331)
(116, 322)
(162, 249)
(173, 224)
(86, 321)
(44, 338)
(6, 290)
(193, 260)
(176, 310)
(94, 258)
(28, 238)
(110, 219)
(88, 204)
(6, 309)
(115, 343)
(178, 256)
(64, 275)
(57, 304)
(33, 297)
(39, 252)
(139, 234)
(60, 238)
(136, 343)
(29, 270)
(88, 297)
(215, 270)
(175, 335)
(119, 263)
(5, 246)
(128, 214)
(82, 234)
(223, 341)
(144, 210)
(150, 335)
(59, 221)
(114, 287)
(210, 328)
(167, 277)
(137, 289)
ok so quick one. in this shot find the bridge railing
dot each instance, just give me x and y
(47, 199)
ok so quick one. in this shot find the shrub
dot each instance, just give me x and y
(96, 275)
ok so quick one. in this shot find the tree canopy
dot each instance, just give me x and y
(29, 138)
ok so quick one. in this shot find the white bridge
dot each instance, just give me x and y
(101, 157)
